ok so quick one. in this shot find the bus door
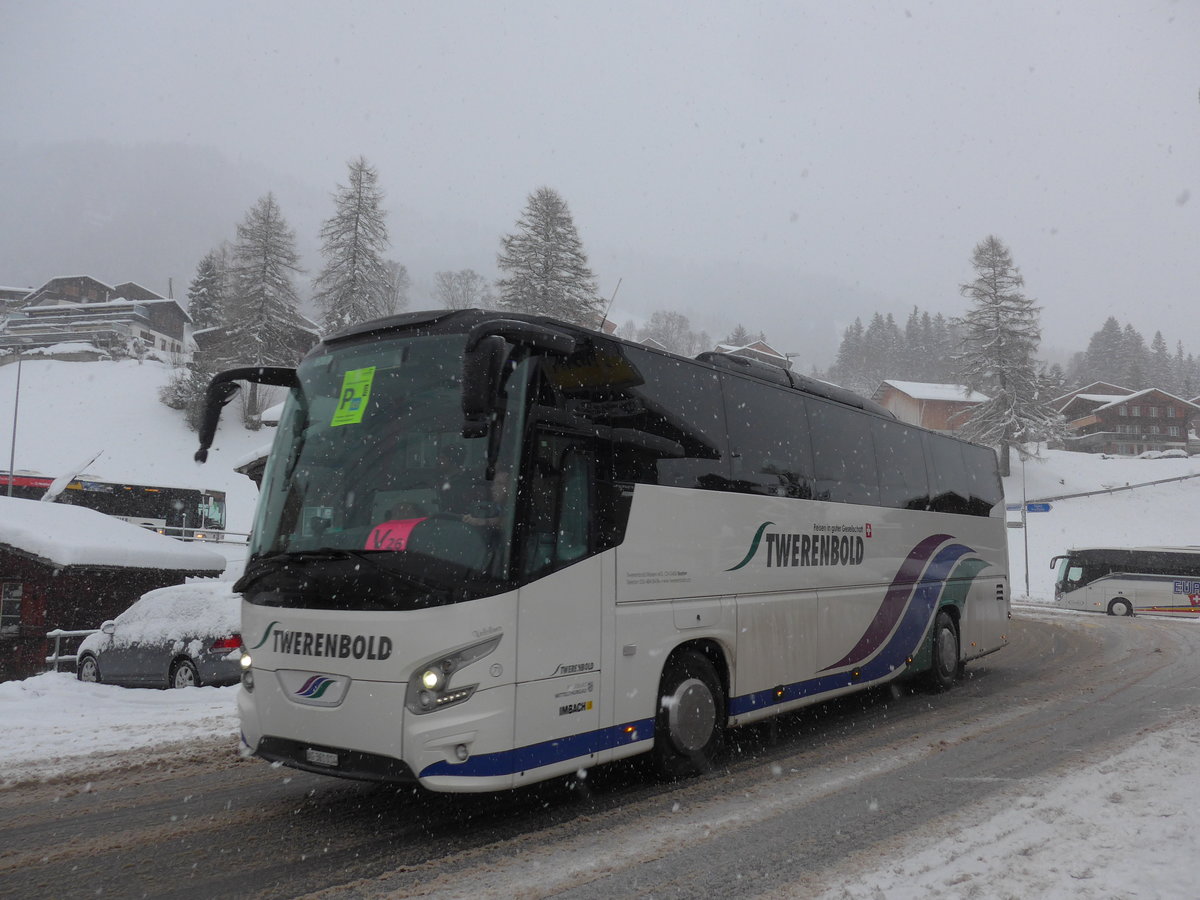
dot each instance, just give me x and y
(560, 608)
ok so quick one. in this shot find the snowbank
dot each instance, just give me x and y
(55, 725)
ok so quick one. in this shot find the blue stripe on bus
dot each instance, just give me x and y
(912, 628)
(534, 756)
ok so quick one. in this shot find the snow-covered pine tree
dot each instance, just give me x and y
(1135, 359)
(1000, 335)
(464, 289)
(1103, 359)
(355, 283)
(547, 270)
(206, 307)
(263, 305)
(1160, 365)
(206, 293)
(739, 337)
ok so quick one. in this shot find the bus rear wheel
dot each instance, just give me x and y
(689, 726)
(1120, 607)
(946, 666)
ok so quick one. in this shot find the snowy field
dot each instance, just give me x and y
(1110, 827)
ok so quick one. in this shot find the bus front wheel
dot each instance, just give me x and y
(945, 669)
(689, 726)
(1120, 607)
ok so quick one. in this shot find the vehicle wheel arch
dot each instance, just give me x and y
(707, 647)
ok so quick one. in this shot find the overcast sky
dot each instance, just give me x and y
(861, 144)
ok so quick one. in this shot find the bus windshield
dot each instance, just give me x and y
(370, 474)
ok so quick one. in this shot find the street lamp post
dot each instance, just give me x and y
(12, 451)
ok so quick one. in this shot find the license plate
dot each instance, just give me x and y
(320, 757)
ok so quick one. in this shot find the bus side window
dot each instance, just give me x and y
(559, 507)
(948, 476)
(900, 452)
(843, 454)
(768, 435)
(1074, 574)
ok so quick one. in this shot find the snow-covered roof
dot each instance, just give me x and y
(115, 303)
(1102, 398)
(271, 415)
(253, 456)
(921, 390)
(1109, 400)
(76, 536)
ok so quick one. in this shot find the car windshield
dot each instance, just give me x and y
(370, 475)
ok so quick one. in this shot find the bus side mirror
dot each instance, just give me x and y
(484, 359)
(481, 379)
(222, 389)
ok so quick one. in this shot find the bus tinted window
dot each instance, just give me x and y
(843, 454)
(983, 478)
(948, 476)
(768, 432)
(900, 453)
(679, 400)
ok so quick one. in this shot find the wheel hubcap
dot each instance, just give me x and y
(184, 677)
(691, 715)
(947, 652)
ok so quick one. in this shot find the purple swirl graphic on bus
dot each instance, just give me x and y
(913, 593)
(315, 687)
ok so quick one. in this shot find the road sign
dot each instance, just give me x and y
(1017, 524)
(1037, 507)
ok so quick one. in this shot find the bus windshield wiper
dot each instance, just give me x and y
(263, 565)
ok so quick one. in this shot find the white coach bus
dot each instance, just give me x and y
(1123, 581)
(490, 550)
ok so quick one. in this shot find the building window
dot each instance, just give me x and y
(1152, 411)
(1122, 411)
(10, 607)
(1135, 410)
(1154, 429)
(1173, 430)
(1170, 412)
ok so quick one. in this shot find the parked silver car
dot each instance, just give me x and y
(180, 636)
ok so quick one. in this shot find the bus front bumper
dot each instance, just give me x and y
(369, 735)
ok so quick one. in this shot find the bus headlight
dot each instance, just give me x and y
(429, 686)
(247, 672)
(433, 678)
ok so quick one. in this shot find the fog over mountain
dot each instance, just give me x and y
(784, 166)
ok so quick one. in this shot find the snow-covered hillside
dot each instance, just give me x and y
(1155, 514)
(68, 411)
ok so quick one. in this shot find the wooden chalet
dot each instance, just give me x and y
(1125, 423)
(938, 407)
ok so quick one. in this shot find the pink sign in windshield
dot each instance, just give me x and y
(392, 535)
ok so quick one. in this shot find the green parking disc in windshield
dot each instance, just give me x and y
(356, 391)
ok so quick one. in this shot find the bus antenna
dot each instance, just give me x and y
(608, 308)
